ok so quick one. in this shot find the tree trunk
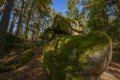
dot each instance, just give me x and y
(14, 20)
(12, 25)
(33, 35)
(19, 22)
(28, 20)
(4, 24)
(2, 8)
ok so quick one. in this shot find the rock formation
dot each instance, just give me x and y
(70, 56)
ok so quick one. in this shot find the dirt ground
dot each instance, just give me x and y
(33, 70)
(113, 73)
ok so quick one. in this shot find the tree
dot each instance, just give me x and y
(73, 9)
(98, 18)
(12, 24)
(103, 15)
(2, 6)
(15, 13)
(114, 30)
(23, 15)
(28, 19)
(20, 19)
(4, 24)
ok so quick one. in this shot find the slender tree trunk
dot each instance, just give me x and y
(26, 30)
(19, 22)
(12, 25)
(33, 34)
(2, 8)
(4, 24)
(22, 21)
(28, 20)
(13, 21)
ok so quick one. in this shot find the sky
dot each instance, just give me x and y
(60, 6)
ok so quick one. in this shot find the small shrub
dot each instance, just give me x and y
(10, 41)
(28, 54)
(5, 70)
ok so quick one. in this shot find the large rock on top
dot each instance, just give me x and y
(65, 25)
(78, 57)
(62, 26)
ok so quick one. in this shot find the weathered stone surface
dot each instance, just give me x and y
(50, 35)
(65, 25)
(62, 26)
(76, 57)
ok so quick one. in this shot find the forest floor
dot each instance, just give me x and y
(33, 70)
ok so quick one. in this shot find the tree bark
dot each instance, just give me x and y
(4, 24)
(12, 25)
(14, 20)
(19, 22)
(2, 8)
(33, 35)
(28, 20)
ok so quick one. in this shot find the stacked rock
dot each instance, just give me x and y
(71, 56)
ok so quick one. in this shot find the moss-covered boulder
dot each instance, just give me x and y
(65, 25)
(50, 34)
(78, 57)
(62, 26)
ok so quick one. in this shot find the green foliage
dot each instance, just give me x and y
(1, 2)
(73, 9)
(10, 41)
(98, 15)
(48, 34)
(11, 38)
(68, 56)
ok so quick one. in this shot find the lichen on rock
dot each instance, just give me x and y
(65, 25)
(71, 56)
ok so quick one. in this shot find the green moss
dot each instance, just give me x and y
(50, 36)
(71, 54)
(63, 24)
